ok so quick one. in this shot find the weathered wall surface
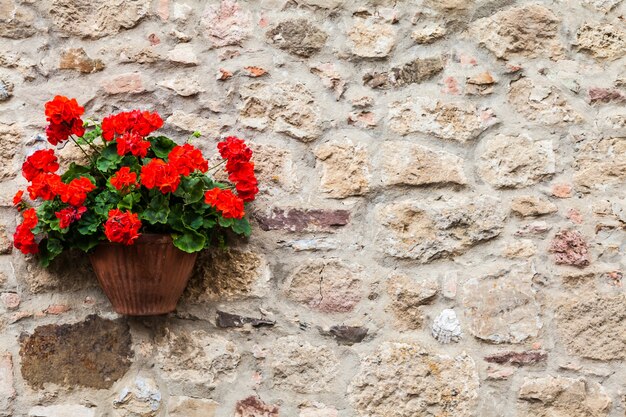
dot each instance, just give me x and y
(441, 230)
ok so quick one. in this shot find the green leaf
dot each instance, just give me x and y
(190, 241)
(127, 202)
(242, 227)
(88, 224)
(175, 218)
(48, 250)
(76, 171)
(90, 136)
(193, 220)
(86, 243)
(158, 210)
(109, 158)
(191, 189)
(104, 202)
(161, 146)
(224, 222)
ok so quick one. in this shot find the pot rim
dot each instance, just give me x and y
(144, 239)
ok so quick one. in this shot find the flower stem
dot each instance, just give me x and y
(217, 166)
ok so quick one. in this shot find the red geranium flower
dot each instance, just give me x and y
(39, 162)
(187, 159)
(24, 239)
(63, 115)
(234, 150)
(46, 186)
(242, 175)
(122, 227)
(69, 215)
(75, 193)
(157, 173)
(227, 203)
(17, 199)
(124, 178)
(133, 143)
(30, 218)
(136, 121)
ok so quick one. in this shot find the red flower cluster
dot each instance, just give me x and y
(131, 128)
(158, 173)
(69, 215)
(240, 169)
(187, 159)
(122, 227)
(225, 202)
(124, 179)
(24, 239)
(17, 199)
(38, 163)
(75, 193)
(46, 186)
(63, 115)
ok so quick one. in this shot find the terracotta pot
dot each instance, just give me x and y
(143, 279)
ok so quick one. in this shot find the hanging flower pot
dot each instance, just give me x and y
(142, 206)
(146, 278)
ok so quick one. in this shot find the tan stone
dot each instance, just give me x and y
(77, 59)
(124, 83)
(543, 104)
(404, 380)
(551, 396)
(182, 85)
(191, 407)
(196, 357)
(602, 41)
(184, 54)
(232, 274)
(326, 285)
(97, 19)
(301, 367)
(406, 163)
(428, 33)
(16, 21)
(531, 205)
(407, 295)
(284, 107)
(298, 37)
(273, 166)
(371, 38)
(138, 397)
(461, 121)
(426, 230)
(515, 161)
(601, 164)
(62, 410)
(190, 122)
(593, 326)
(531, 30)
(225, 23)
(10, 162)
(345, 169)
(7, 389)
(502, 308)
(523, 248)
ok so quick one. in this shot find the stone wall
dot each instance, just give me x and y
(441, 228)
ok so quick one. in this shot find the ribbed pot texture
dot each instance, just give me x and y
(143, 279)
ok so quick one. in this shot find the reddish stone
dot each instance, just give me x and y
(451, 86)
(163, 9)
(303, 220)
(254, 407)
(605, 95)
(575, 216)
(20, 315)
(528, 357)
(7, 389)
(570, 248)
(154, 39)
(362, 119)
(224, 75)
(56, 309)
(255, 72)
(124, 83)
(10, 300)
(562, 190)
